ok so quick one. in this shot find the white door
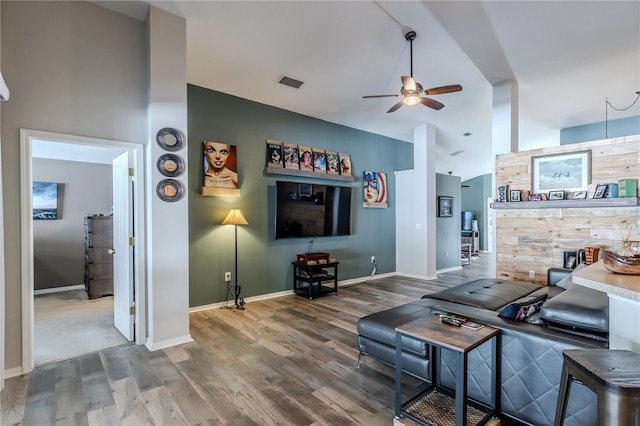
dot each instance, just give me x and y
(123, 251)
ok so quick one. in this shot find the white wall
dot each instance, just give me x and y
(168, 223)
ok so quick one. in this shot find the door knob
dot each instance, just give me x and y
(111, 251)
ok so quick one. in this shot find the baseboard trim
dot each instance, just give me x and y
(416, 276)
(230, 303)
(155, 346)
(360, 280)
(13, 372)
(58, 289)
(442, 271)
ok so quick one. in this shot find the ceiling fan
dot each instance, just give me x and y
(411, 90)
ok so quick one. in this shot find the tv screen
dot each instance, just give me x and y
(306, 210)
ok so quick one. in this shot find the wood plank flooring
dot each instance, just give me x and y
(281, 361)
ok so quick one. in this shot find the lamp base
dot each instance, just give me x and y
(239, 300)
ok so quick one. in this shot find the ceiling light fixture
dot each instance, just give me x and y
(412, 99)
(607, 104)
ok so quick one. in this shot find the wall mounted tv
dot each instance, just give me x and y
(306, 210)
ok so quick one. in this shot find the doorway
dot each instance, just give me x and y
(87, 150)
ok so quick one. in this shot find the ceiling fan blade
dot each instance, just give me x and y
(396, 106)
(408, 83)
(381, 96)
(431, 103)
(443, 89)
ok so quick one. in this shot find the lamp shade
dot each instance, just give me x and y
(235, 217)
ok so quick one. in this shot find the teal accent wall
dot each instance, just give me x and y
(595, 131)
(264, 264)
(448, 228)
(474, 199)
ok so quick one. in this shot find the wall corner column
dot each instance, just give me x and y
(167, 222)
(415, 212)
(504, 130)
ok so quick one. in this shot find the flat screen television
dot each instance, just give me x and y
(308, 210)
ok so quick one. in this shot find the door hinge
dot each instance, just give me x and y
(130, 171)
(132, 241)
(132, 310)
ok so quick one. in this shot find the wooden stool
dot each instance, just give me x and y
(614, 375)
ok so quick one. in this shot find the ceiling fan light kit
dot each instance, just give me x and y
(411, 90)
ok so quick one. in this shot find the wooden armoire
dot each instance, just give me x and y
(98, 260)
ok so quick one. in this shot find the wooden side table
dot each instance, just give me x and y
(461, 340)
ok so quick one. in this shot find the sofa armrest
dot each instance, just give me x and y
(556, 274)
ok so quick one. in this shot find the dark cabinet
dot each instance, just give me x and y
(98, 261)
(309, 280)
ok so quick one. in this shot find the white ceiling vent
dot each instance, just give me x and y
(291, 82)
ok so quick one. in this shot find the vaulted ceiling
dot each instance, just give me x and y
(567, 57)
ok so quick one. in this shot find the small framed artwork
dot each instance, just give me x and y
(333, 163)
(570, 262)
(556, 195)
(45, 201)
(345, 164)
(319, 160)
(291, 159)
(600, 190)
(445, 206)
(514, 195)
(274, 153)
(579, 195)
(502, 193)
(305, 158)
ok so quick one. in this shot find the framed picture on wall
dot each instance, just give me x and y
(445, 206)
(566, 172)
(45, 201)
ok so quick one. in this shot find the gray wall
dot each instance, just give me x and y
(448, 228)
(73, 68)
(58, 245)
(265, 263)
(601, 130)
(474, 199)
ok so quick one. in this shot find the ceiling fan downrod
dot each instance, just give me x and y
(410, 36)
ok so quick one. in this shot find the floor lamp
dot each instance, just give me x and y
(235, 217)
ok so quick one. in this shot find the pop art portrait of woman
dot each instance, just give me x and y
(375, 189)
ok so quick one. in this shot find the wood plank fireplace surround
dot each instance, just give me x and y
(534, 237)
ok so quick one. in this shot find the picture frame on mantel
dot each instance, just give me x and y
(570, 171)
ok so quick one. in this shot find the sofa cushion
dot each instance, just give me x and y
(579, 307)
(381, 327)
(523, 308)
(486, 293)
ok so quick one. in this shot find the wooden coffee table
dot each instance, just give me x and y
(423, 408)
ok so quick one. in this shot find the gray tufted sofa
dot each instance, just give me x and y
(531, 351)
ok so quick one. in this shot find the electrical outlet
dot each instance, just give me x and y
(227, 276)
(373, 259)
(532, 274)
